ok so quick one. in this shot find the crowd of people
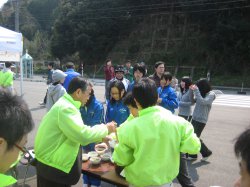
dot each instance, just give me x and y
(140, 109)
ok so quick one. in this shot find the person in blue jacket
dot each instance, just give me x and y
(71, 73)
(116, 110)
(167, 96)
(92, 114)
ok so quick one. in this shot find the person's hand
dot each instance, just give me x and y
(111, 126)
(193, 87)
(107, 139)
(159, 100)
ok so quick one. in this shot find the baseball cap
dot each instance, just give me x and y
(58, 75)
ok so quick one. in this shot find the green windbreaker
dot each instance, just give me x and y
(150, 145)
(6, 180)
(61, 132)
(6, 78)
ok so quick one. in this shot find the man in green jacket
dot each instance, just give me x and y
(6, 78)
(150, 145)
(15, 123)
(60, 134)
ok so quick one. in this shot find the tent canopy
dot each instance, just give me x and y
(11, 45)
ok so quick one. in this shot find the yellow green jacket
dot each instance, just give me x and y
(150, 145)
(61, 132)
(6, 180)
(6, 78)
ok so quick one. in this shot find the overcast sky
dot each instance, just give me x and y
(2, 2)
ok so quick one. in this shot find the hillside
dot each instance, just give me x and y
(198, 36)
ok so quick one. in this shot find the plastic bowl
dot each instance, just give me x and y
(93, 154)
(95, 160)
(85, 157)
(105, 157)
(100, 150)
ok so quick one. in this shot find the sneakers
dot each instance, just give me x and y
(204, 158)
(42, 103)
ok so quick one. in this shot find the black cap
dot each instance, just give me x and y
(119, 68)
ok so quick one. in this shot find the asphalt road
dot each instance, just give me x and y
(225, 123)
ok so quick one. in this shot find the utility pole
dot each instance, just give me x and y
(17, 16)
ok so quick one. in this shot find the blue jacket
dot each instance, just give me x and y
(92, 115)
(169, 98)
(117, 112)
(131, 86)
(70, 75)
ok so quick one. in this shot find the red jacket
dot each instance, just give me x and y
(109, 72)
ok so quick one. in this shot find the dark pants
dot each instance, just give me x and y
(48, 183)
(188, 118)
(198, 128)
(48, 176)
(183, 176)
(45, 97)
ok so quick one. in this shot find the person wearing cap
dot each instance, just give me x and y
(55, 90)
(119, 75)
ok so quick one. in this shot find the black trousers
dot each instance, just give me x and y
(48, 183)
(48, 176)
(198, 128)
(183, 176)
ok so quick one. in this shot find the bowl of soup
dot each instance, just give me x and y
(105, 157)
(95, 160)
(93, 154)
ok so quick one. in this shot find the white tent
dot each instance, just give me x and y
(11, 45)
(11, 48)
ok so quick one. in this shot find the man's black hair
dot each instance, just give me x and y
(139, 67)
(15, 118)
(159, 63)
(70, 65)
(129, 100)
(167, 76)
(51, 64)
(242, 147)
(76, 83)
(145, 92)
(204, 86)
(8, 64)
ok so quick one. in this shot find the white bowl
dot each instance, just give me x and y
(85, 157)
(95, 160)
(105, 157)
(100, 150)
(92, 154)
